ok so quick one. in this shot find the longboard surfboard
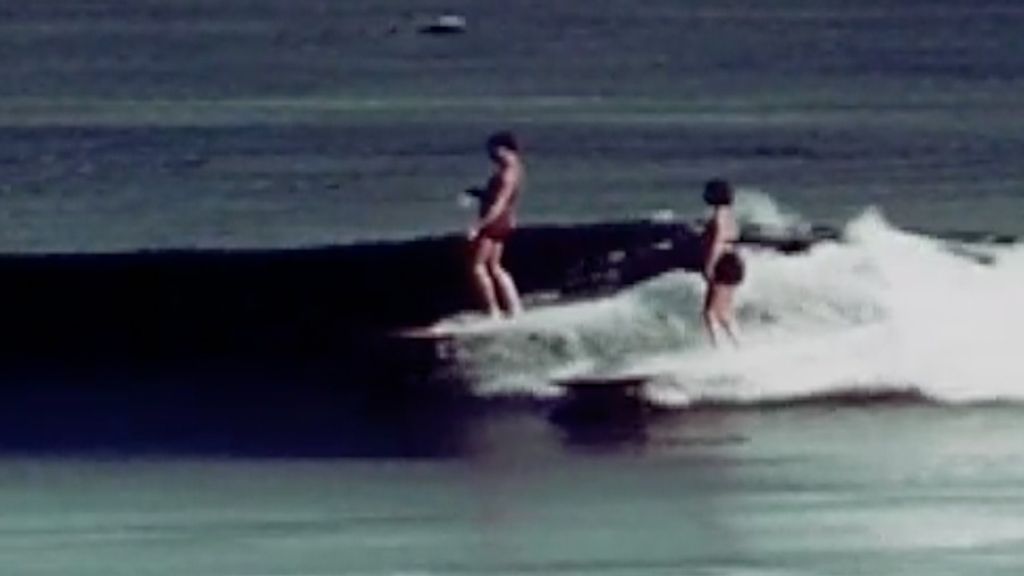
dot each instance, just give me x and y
(423, 333)
(596, 386)
(469, 325)
(595, 382)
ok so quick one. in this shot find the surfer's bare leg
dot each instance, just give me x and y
(708, 315)
(725, 313)
(718, 311)
(482, 249)
(503, 281)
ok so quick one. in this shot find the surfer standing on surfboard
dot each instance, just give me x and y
(723, 269)
(498, 200)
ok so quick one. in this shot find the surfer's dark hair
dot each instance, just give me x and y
(503, 139)
(718, 192)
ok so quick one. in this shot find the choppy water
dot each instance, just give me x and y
(251, 124)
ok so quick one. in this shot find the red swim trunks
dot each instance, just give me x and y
(499, 230)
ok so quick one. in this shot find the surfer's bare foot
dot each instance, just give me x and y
(513, 308)
(728, 324)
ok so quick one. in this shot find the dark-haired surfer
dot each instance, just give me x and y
(723, 269)
(494, 285)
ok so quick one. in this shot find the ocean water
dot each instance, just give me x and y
(240, 124)
(869, 424)
(813, 490)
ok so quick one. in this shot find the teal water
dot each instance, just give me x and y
(874, 490)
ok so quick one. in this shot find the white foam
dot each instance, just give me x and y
(756, 208)
(882, 310)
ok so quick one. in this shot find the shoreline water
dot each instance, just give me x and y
(757, 492)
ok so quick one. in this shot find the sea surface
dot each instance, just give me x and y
(799, 491)
(869, 424)
(248, 123)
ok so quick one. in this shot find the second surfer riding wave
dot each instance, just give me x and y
(723, 269)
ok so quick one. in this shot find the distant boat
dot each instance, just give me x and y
(445, 24)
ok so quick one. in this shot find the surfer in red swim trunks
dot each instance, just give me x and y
(723, 269)
(495, 286)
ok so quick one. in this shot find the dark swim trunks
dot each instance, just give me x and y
(729, 270)
(500, 230)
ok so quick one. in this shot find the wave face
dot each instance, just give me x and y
(878, 312)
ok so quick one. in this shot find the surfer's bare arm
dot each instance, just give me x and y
(502, 196)
(718, 243)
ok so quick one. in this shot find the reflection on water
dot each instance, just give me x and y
(795, 490)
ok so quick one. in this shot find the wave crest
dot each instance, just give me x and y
(881, 310)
